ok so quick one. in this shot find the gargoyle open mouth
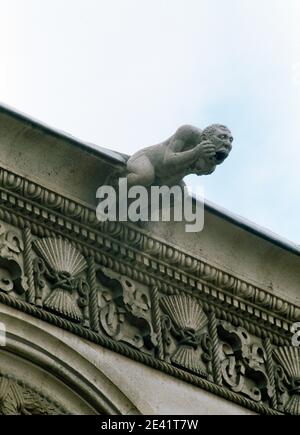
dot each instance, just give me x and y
(221, 156)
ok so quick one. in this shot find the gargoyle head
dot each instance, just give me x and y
(221, 138)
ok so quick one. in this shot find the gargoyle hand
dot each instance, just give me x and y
(206, 150)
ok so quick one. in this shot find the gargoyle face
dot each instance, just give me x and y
(222, 139)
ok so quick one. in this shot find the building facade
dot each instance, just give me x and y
(119, 319)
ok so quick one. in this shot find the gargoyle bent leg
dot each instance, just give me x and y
(140, 171)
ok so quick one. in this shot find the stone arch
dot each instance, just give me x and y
(53, 372)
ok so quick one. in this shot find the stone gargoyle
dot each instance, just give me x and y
(189, 151)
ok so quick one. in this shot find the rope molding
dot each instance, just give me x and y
(81, 219)
(136, 355)
(222, 308)
(145, 260)
(161, 267)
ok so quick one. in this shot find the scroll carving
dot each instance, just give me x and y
(11, 262)
(125, 311)
(243, 364)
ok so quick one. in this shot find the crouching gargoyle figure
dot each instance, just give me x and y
(189, 151)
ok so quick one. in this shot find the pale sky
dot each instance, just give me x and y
(125, 74)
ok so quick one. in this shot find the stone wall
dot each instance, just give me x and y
(209, 315)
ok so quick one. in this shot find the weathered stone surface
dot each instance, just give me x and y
(189, 151)
(116, 379)
(199, 320)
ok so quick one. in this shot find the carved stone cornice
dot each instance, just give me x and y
(117, 286)
(41, 205)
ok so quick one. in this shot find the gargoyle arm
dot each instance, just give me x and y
(175, 157)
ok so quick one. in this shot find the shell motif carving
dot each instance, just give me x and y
(189, 319)
(61, 256)
(289, 359)
(66, 262)
(185, 312)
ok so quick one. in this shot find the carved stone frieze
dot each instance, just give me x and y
(178, 329)
(61, 213)
(118, 286)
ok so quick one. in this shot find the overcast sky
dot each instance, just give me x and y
(125, 74)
